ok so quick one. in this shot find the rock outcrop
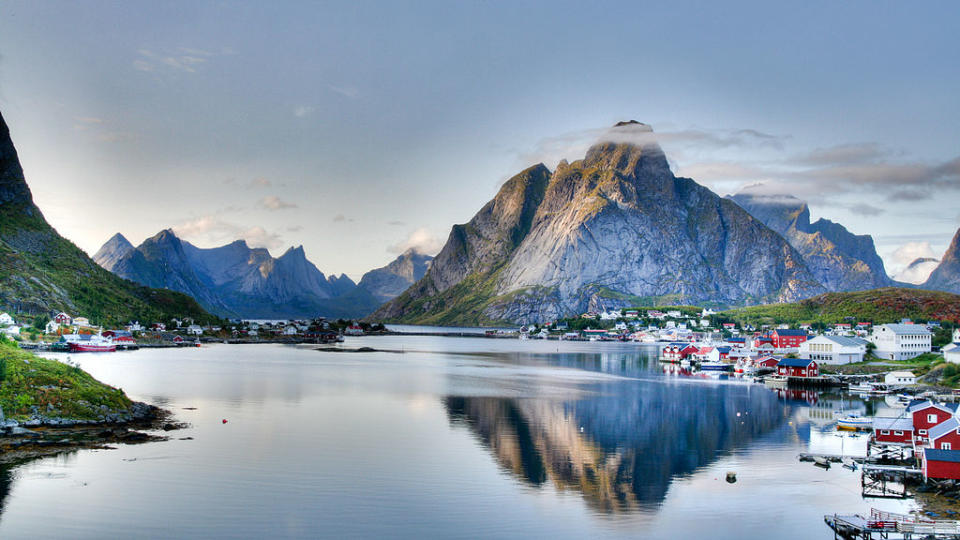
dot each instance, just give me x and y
(946, 277)
(390, 281)
(613, 229)
(838, 259)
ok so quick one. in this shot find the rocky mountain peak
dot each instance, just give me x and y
(946, 277)
(112, 251)
(15, 195)
(631, 149)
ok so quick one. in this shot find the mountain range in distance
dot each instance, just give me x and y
(236, 280)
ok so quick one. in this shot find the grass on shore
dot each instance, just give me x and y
(54, 388)
(919, 365)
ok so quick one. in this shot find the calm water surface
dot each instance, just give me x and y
(452, 437)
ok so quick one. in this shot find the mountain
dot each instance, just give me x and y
(946, 276)
(236, 280)
(885, 305)
(42, 272)
(839, 259)
(390, 281)
(111, 252)
(613, 229)
(918, 271)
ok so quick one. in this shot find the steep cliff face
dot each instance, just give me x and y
(110, 253)
(946, 277)
(390, 281)
(839, 259)
(236, 280)
(41, 272)
(613, 229)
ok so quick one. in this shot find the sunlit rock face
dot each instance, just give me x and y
(946, 277)
(609, 230)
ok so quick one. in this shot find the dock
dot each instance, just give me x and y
(889, 525)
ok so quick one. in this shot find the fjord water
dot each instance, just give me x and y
(442, 437)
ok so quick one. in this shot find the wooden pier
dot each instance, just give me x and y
(889, 525)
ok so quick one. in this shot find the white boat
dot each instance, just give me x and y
(715, 366)
(869, 388)
(775, 381)
(854, 422)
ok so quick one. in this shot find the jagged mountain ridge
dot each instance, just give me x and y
(236, 280)
(110, 253)
(946, 276)
(390, 281)
(839, 259)
(613, 229)
(42, 272)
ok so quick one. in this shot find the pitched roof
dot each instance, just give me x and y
(795, 362)
(900, 423)
(932, 454)
(921, 404)
(846, 341)
(900, 329)
(784, 332)
(943, 428)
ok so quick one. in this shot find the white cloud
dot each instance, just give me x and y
(302, 111)
(908, 252)
(272, 202)
(210, 231)
(261, 182)
(422, 240)
(183, 59)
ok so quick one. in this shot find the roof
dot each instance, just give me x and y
(901, 329)
(951, 347)
(901, 374)
(845, 341)
(786, 332)
(723, 350)
(795, 362)
(900, 423)
(736, 340)
(943, 428)
(920, 404)
(932, 454)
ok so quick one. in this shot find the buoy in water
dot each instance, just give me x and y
(224, 420)
(731, 477)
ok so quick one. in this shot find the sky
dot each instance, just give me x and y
(359, 129)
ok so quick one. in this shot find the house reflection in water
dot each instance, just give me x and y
(623, 444)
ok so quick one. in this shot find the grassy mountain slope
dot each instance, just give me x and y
(884, 305)
(41, 272)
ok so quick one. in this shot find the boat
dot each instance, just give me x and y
(93, 343)
(869, 388)
(822, 462)
(775, 381)
(715, 366)
(854, 422)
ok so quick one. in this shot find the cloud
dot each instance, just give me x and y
(261, 182)
(907, 253)
(421, 240)
(295, 228)
(181, 59)
(345, 91)
(211, 231)
(302, 111)
(864, 209)
(272, 202)
(396, 223)
(843, 154)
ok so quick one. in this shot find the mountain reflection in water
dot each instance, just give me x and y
(622, 445)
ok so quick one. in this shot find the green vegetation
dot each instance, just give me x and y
(919, 365)
(30, 383)
(877, 306)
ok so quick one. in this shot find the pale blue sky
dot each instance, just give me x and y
(352, 127)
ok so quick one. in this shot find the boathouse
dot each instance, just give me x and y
(798, 367)
(898, 430)
(926, 414)
(675, 352)
(941, 464)
(767, 362)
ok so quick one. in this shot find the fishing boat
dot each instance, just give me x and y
(91, 343)
(854, 422)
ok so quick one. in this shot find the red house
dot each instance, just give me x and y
(945, 435)
(761, 341)
(675, 352)
(63, 318)
(767, 362)
(788, 339)
(798, 367)
(941, 464)
(893, 430)
(927, 414)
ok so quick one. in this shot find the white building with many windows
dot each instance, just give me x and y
(834, 349)
(900, 341)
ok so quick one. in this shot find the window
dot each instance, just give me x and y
(931, 419)
(945, 446)
(923, 432)
(898, 433)
(885, 432)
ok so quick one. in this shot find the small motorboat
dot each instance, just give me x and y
(821, 462)
(854, 422)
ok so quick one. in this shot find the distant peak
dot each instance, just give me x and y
(120, 240)
(633, 124)
(294, 252)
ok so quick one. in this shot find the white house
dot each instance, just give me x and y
(674, 313)
(900, 377)
(11, 331)
(951, 353)
(81, 321)
(900, 341)
(833, 349)
(195, 329)
(5, 319)
(290, 330)
(134, 327)
(956, 335)
(51, 327)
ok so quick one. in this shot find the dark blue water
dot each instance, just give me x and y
(448, 437)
